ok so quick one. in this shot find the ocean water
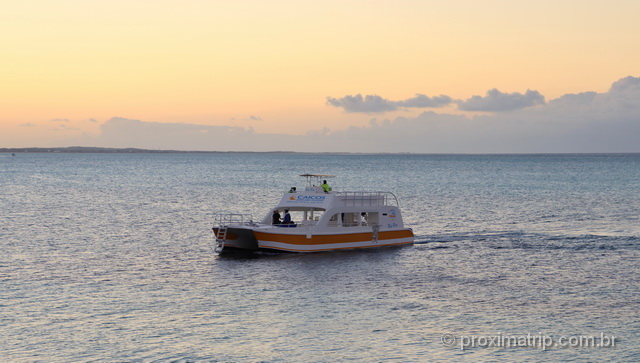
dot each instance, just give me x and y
(109, 257)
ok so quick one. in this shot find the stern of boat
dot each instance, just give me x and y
(234, 231)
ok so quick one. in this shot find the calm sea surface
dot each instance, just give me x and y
(108, 257)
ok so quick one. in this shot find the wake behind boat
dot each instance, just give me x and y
(317, 219)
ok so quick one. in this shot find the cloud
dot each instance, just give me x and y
(28, 124)
(496, 101)
(375, 103)
(368, 104)
(60, 120)
(625, 84)
(67, 128)
(423, 101)
(250, 118)
(620, 102)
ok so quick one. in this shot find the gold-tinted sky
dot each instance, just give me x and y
(271, 65)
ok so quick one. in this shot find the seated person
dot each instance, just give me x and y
(275, 218)
(363, 219)
(287, 217)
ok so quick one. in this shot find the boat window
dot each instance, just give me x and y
(296, 216)
(352, 219)
(310, 216)
(335, 220)
(372, 218)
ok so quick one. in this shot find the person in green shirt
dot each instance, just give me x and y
(325, 186)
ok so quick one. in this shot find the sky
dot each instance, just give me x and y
(455, 76)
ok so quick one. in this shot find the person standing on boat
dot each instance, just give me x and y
(275, 218)
(325, 186)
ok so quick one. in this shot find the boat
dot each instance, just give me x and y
(317, 219)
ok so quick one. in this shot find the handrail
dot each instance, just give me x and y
(225, 219)
(374, 198)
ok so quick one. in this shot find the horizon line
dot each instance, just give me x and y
(131, 150)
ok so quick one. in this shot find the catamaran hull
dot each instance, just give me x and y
(248, 239)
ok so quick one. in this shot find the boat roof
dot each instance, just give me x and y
(313, 179)
(318, 175)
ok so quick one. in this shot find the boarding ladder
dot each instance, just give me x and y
(222, 221)
(221, 238)
(375, 227)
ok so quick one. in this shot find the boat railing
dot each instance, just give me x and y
(315, 179)
(225, 219)
(367, 198)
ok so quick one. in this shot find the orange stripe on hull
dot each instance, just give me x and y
(405, 233)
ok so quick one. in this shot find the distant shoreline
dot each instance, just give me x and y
(109, 150)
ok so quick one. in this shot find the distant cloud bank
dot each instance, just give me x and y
(515, 123)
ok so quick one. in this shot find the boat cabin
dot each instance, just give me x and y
(313, 207)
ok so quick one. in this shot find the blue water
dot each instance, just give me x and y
(108, 257)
